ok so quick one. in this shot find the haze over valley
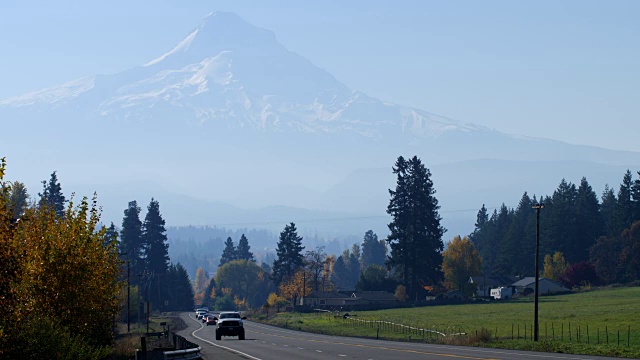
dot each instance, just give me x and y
(230, 128)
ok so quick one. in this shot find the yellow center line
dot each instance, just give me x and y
(378, 347)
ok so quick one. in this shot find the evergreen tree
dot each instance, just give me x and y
(522, 232)
(154, 239)
(479, 236)
(242, 251)
(289, 254)
(52, 195)
(635, 197)
(623, 212)
(156, 254)
(375, 278)
(561, 222)
(111, 236)
(353, 271)
(374, 251)
(340, 274)
(229, 253)
(608, 203)
(18, 199)
(209, 298)
(180, 293)
(131, 241)
(415, 231)
(506, 244)
(590, 224)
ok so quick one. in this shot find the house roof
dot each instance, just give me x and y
(374, 295)
(530, 281)
(327, 295)
(493, 281)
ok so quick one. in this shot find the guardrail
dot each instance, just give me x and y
(188, 354)
(184, 350)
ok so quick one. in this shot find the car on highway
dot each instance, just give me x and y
(201, 314)
(230, 324)
(211, 320)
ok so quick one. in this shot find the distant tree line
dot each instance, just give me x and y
(594, 232)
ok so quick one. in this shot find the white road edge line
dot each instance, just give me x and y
(219, 346)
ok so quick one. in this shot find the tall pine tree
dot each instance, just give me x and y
(590, 225)
(156, 253)
(608, 203)
(52, 196)
(415, 230)
(289, 254)
(374, 251)
(229, 253)
(623, 213)
(243, 250)
(131, 241)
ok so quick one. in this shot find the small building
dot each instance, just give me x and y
(484, 284)
(378, 299)
(526, 286)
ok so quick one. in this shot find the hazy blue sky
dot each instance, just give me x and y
(568, 70)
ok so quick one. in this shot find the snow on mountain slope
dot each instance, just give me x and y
(229, 72)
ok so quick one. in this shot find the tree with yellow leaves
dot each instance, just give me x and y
(294, 287)
(555, 267)
(460, 261)
(62, 270)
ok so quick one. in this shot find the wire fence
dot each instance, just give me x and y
(549, 331)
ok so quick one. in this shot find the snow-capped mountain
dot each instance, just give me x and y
(230, 114)
(229, 72)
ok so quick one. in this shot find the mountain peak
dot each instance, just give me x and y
(219, 31)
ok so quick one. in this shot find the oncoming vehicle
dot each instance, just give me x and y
(201, 314)
(230, 324)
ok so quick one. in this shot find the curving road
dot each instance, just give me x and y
(265, 342)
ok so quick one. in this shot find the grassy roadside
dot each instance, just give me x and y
(597, 320)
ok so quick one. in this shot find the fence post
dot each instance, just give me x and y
(511, 331)
(553, 332)
(569, 330)
(606, 330)
(562, 331)
(629, 336)
(588, 334)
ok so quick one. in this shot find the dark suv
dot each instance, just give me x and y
(230, 324)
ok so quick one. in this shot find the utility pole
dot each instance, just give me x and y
(537, 206)
(128, 295)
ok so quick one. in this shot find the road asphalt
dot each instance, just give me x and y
(265, 342)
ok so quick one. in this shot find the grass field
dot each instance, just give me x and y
(601, 322)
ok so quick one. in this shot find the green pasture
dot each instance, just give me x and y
(601, 322)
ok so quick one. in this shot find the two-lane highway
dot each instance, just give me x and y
(265, 342)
